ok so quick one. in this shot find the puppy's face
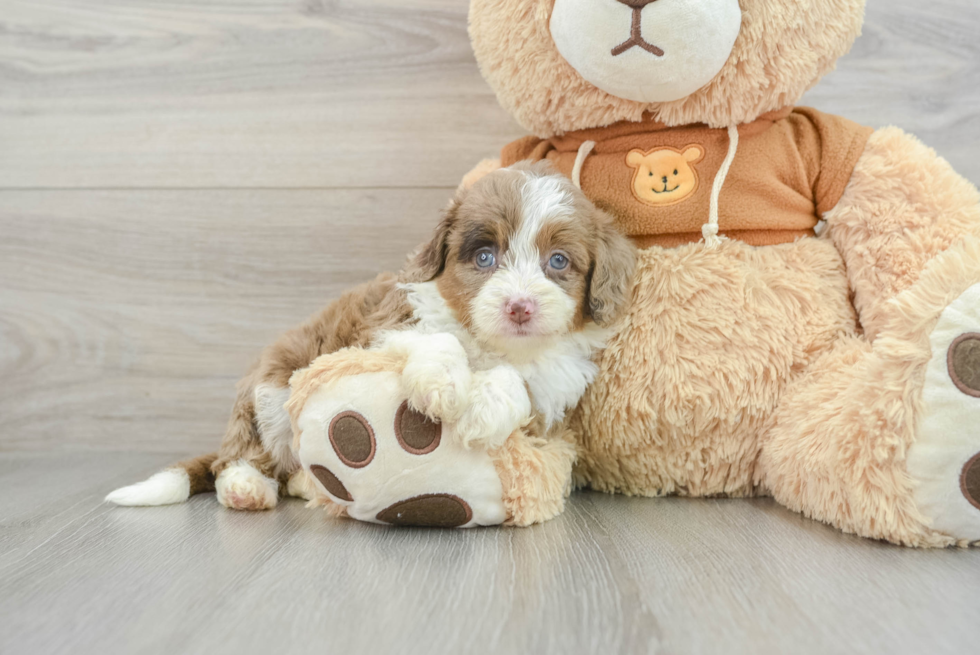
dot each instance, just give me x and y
(523, 255)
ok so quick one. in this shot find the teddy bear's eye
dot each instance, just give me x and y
(651, 174)
(675, 171)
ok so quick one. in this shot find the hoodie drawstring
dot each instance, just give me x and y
(710, 229)
(583, 151)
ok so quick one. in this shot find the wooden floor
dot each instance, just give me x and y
(181, 180)
(612, 575)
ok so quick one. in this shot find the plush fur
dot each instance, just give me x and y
(684, 390)
(814, 371)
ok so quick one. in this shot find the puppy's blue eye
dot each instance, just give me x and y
(485, 259)
(558, 261)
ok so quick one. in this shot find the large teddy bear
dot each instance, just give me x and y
(838, 372)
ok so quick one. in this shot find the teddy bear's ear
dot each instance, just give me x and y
(694, 153)
(429, 260)
(611, 276)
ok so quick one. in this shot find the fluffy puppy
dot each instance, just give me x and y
(502, 311)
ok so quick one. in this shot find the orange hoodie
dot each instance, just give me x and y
(791, 166)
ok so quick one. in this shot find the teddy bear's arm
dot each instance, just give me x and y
(903, 206)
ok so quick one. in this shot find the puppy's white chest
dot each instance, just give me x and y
(557, 383)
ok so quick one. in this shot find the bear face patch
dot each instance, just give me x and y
(664, 176)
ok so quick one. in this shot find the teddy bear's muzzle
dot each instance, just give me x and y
(636, 39)
(668, 49)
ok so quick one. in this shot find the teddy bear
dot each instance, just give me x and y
(805, 317)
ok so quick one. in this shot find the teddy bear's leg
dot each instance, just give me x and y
(881, 438)
(372, 454)
(903, 206)
(301, 485)
(368, 453)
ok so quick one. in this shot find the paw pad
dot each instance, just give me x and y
(963, 362)
(416, 432)
(430, 511)
(352, 439)
(331, 482)
(970, 481)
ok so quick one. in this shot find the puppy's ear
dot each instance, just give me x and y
(611, 281)
(429, 260)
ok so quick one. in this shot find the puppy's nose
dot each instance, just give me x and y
(637, 4)
(521, 310)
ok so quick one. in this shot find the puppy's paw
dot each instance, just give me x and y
(242, 486)
(498, 405)
(437, 378)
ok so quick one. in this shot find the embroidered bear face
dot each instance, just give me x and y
(664, 176)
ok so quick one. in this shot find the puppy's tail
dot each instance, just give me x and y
(172, 485)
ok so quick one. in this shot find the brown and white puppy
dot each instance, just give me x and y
(504, 310)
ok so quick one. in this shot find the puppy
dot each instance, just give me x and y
(507, 304)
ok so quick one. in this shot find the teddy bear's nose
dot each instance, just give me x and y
(637, 4)
(664, 178)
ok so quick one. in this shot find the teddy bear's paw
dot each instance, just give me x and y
(944, 461)
(370, 451)
(499, 404)
(301, 485)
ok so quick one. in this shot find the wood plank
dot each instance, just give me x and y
(612, 575)
(276, 93)
(127, 316)
(241, 93)
(33, 511)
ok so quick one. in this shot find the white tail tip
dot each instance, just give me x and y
(163, 488)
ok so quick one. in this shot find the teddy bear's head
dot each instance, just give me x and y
(563, 65)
